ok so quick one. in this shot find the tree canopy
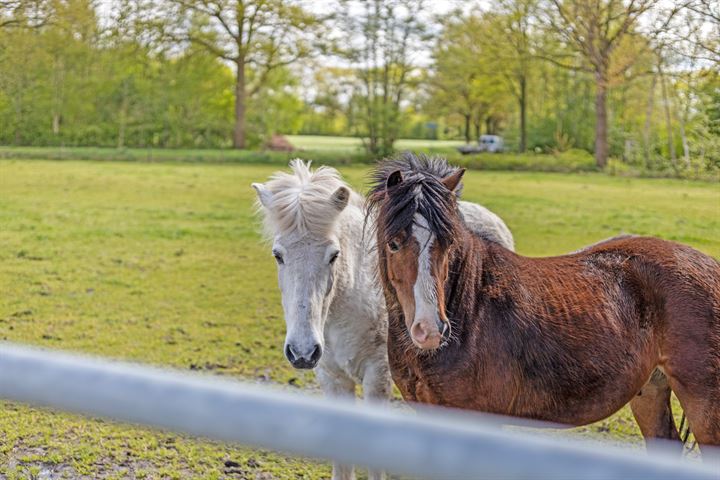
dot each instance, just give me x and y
(634, 80)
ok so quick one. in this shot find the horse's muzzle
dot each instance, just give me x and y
(429, 334)
(303, 359)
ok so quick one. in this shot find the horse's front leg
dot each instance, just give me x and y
(377, 388)
(336, 385)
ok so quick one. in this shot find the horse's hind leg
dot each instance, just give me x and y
(700, 402)
(652, 411)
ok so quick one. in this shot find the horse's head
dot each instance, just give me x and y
(416, 226)
(300, 211)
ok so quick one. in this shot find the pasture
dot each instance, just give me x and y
(162, 264)
(354, 144)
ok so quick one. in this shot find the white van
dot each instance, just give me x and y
(486, 143)
(491, 143)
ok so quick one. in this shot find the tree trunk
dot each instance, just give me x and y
(58, 82)
(601, 120)
(239, 131)
(122, 115)
(523, 113)
(686, 146)
(56, 124)
(683, 117)
(18, 121)
(648, 118)
(478, 124)
(668, 122)
(467, 128)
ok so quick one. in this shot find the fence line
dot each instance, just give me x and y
(427, 444)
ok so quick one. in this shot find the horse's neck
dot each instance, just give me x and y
(358, 257)
(469, 252)
(357, 292)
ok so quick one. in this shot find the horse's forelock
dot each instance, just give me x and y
(420, 191)
(302, 200)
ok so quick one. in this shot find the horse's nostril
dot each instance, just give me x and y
(418, 332)
(316, 354)
(303, 359)
(443, 328)
(445, 332)
(290, 354)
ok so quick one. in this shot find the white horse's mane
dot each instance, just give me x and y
(301, 200)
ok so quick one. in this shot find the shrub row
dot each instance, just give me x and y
(571, 161)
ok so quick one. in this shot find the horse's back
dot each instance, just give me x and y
(486, 224)
(663, 257)
(683, 282)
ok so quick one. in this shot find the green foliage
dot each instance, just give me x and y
(466, 83)
(71, 83)
(257, 37)
(379, 38)
(573, 160)
(275, 108)
(338, 151)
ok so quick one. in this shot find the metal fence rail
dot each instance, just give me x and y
(426, 444)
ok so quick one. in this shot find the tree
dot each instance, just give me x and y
(686, 47)
(690, 28)
(326, 109)
(262, 35)
(379, 40)
(595, 28)
(24, 13)
(465, 79)
(276, 108)
(513, 53)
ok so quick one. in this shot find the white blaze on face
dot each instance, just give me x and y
(424, 288)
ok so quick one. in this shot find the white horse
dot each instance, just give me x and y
(333, 306)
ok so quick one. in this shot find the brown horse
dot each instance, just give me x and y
(568, 339)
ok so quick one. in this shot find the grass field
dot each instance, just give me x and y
(337, 144)
(162, 264)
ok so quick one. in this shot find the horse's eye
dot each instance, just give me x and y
(278, 258)
(333, 258)
(394, 246)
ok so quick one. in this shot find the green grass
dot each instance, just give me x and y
(162, 264)
(570, 161)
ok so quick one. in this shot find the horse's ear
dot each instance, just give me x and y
(452, 181)
(264, 195)
(340, 198)
(395, 178)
